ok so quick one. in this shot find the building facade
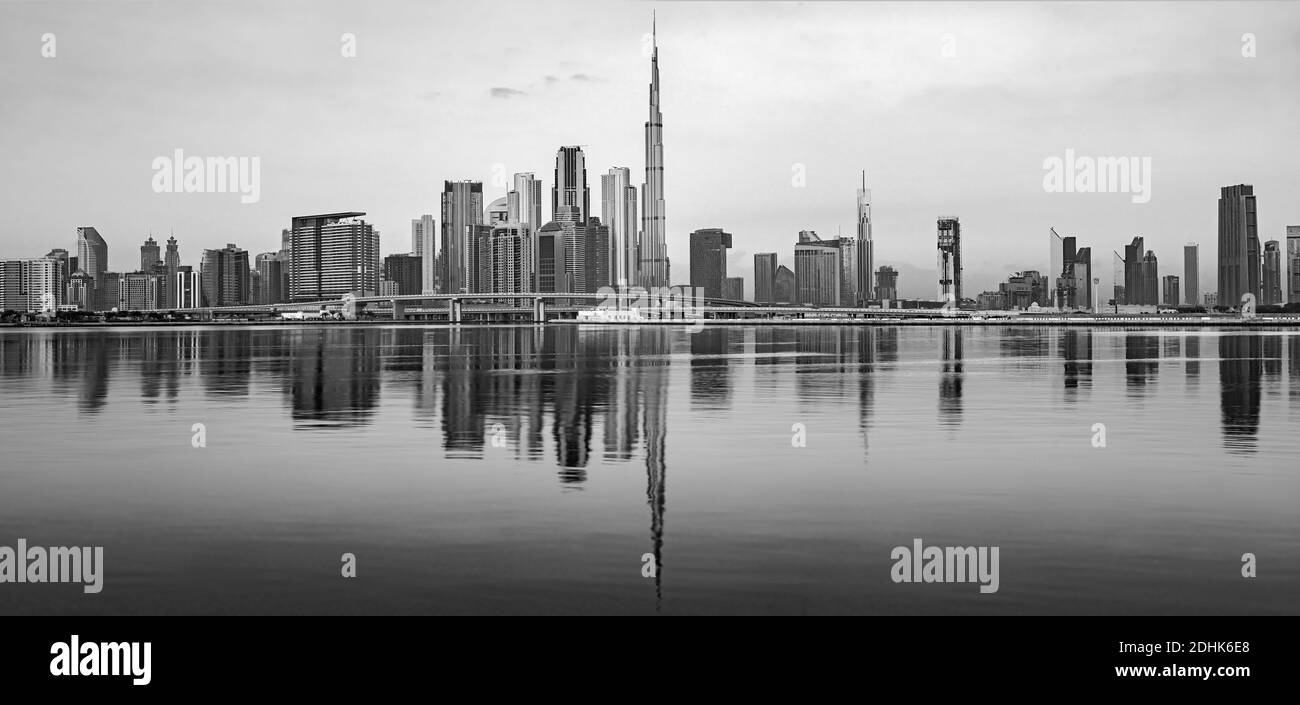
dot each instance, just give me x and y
(886, 284)
(949, 259)
(407, 271)
(765, 265)
(333, 254)
(709, 261)
(618, 211)
(462, 209)
(816, 270)
(1271, 283)
(1192, 273)
(226, 277)
(1239, 251)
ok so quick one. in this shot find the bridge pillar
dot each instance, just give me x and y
(453, 308)
(399, 310)
(539, 310)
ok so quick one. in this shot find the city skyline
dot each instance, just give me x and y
(750, 196)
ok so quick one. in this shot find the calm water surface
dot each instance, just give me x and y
(528, 469)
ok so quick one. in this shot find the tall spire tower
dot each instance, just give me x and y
(866, 247)
(653, 258)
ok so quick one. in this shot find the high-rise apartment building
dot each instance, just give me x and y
(1239, 253)
(30, 285)
(332, 254)
(510, 251)
(1271, 285)
(270, 269)
(618, 211)
(462, 209)
(424, 244)
(1192, 274)
(406, 271)
(226, 278)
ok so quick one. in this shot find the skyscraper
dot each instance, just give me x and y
(1272, 282)
(1081, 273)
(733, 289)
(618, 211)
(1293, 263)
(1192, 273)
(709, 261)
(1133, 290)
(149, 254)
(653, 247)
(1239, 269)
(92, 253)
(848, 247)
(29, 284)
(171, 265)
(865, 247)
(570, 187)
(462, 207)
(187, 288)
(550, 258)
(765, 277)
(949, 259)
(785, 285)
(886, 284)
(270, 269)
(406, 270)
(1150, 277)
(596, 239)
(424, 244)
(1056, 268)
(333, 254)
(512, 259)
(525, 202)
(1171, 296)
(225, 277)
(816, 270)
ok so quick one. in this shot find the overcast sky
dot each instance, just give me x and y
(751, 91)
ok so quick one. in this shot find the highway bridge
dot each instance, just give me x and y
(539, 307)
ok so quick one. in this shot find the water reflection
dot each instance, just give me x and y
(1076, 350)
(587, 396)
(950, 377)
(1240, 370)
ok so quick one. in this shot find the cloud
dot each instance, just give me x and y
(499, 92)
(582, 77)
(430, 95)
(551, 79)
